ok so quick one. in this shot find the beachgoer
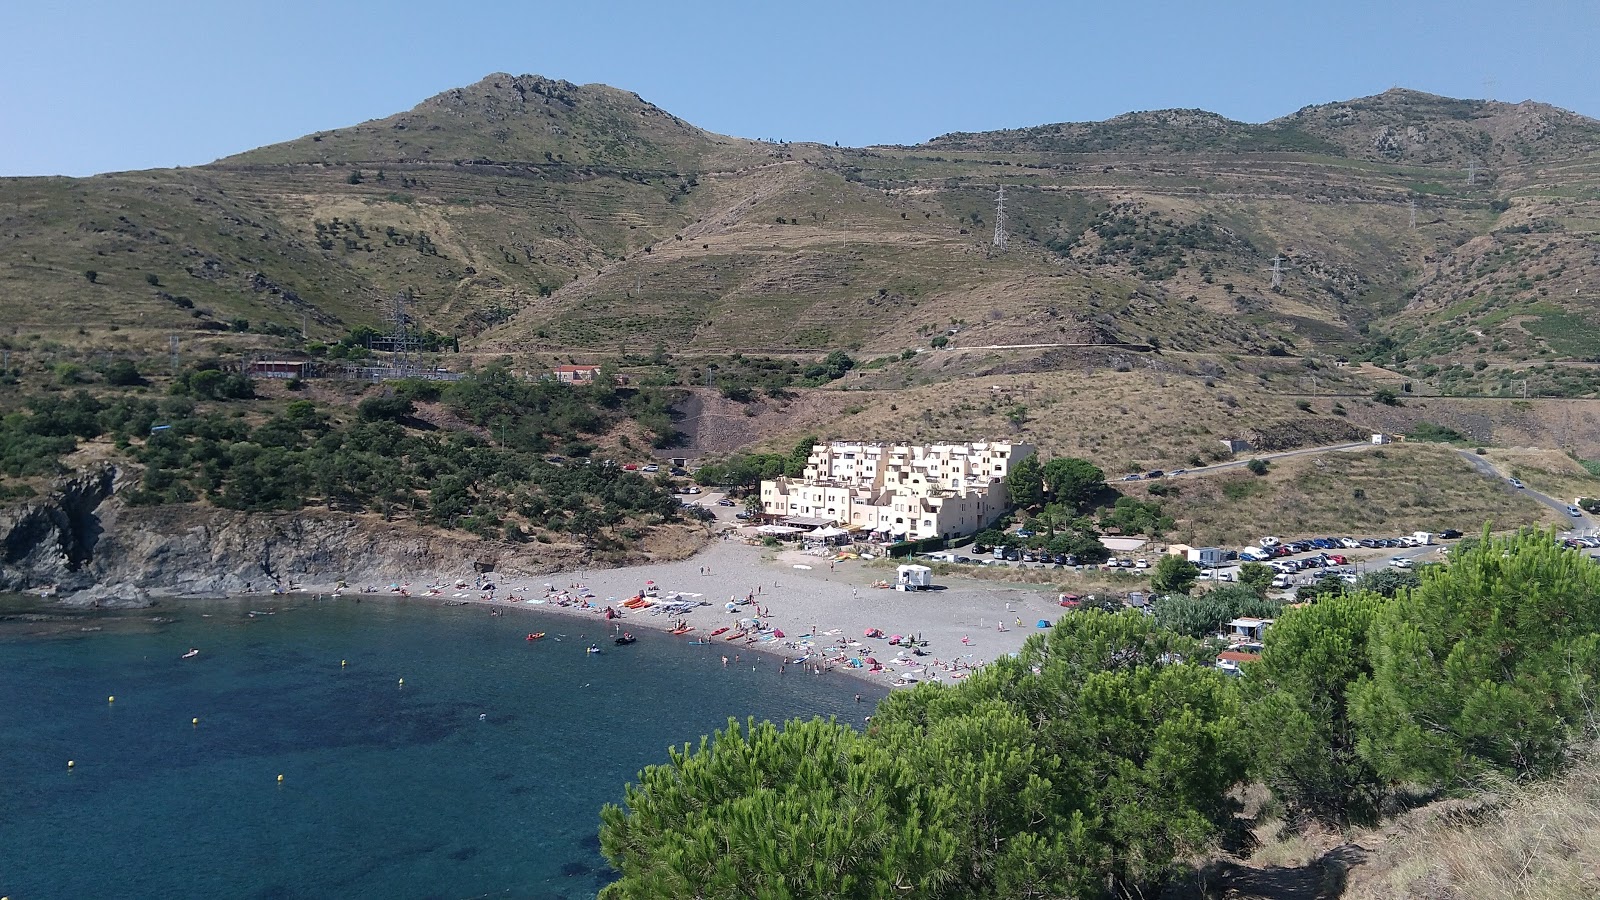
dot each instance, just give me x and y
(724, 662)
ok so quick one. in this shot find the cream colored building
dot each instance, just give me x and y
(903, 491)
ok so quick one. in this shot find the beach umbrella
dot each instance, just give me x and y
(895, 639)
(778, 632)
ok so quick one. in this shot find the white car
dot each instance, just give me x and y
(1142, 564)
(651, 468)
(1514, 483)
(1401, 562)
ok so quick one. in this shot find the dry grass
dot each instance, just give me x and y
(1547, 471)
(1378, 492)
(1535, 843)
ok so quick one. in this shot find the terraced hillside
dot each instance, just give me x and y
(1451, 240)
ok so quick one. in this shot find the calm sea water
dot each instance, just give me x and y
(481, 776)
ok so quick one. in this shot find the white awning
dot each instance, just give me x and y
(827, 531)
(777, 529)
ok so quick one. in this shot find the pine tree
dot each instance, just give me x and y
(1490, 664)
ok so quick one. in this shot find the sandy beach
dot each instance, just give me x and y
(823, 607)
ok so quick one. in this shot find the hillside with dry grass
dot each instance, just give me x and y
(1133, 317)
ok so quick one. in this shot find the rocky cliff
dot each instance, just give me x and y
(93, 549)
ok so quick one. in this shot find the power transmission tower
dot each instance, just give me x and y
(1472, 171)
(1278, 268)
(1000, 236)
(403, 343)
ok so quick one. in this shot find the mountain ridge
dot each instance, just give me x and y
(639, 229)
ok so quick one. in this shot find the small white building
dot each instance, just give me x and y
(913, 578)
(1248, 628)
(1382, 439)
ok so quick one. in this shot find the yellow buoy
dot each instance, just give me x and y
(402, 682)
(195, 721)
(343, 663)
(280, 779)
(70, 763)
(111, 699)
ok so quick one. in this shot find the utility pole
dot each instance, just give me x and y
(1000, 237)
(1413, 212)
(172, 348)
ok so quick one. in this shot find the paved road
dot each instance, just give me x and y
(1236, 463)
(1580, 523)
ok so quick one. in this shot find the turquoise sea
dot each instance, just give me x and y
(481, 776)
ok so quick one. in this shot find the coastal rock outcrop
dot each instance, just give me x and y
(85, 545)
(49, 542)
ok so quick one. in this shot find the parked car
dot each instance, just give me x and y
(1154, 473)
(1176, 472)
(1401, 562)
(1134, 477)
(964, 559)
(1514, 483)
(725, 502)
(1142, 564)
(651, 468)
(1450, 534)
(741, 515)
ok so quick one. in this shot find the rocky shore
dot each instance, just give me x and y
(83, 545)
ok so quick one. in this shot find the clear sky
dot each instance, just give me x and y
(100, 86)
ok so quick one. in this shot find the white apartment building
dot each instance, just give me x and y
(901, 491)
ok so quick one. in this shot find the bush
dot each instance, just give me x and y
(1257, 466)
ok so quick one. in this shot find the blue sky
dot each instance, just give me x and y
(101, 86)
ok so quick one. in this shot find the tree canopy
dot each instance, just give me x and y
(1489, 664)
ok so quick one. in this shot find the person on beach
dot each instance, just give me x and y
(724, 662)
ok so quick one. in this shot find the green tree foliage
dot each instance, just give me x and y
(1490, 664)
(813, 810)
(1025, 483)
(212, 384)
(1173, 575)
(746, 471)
(1205, 614)
(122, 373)
(1297, 710)
(385, 407)
(1256, 576)
(1072, 482)
(1388, 581)
(1096, 757)
(1132, 516)
(1257, 466)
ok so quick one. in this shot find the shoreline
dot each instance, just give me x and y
(823, 607)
